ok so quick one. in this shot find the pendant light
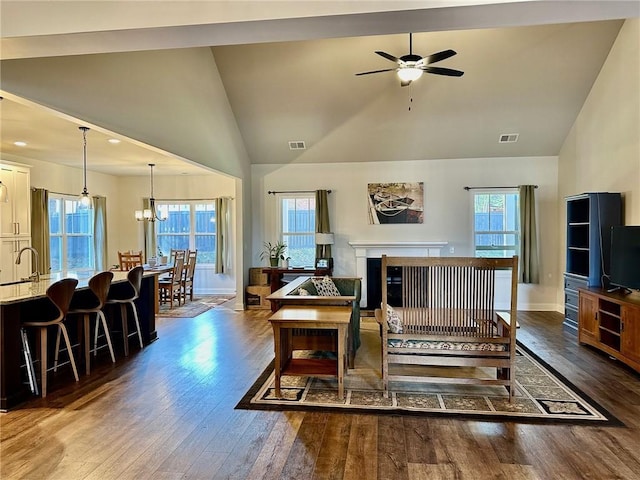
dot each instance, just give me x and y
(152, 213)
(85, 199)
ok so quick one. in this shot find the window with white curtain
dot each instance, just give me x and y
(297, 225)
(190, 225)
(70, 234)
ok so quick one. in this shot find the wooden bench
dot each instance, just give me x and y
(448, 318)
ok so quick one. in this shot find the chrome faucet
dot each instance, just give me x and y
(35, 275)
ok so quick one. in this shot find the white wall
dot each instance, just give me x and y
(124, 195)
(602, 151)
(447, 217)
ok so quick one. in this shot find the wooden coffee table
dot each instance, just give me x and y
(319, 317)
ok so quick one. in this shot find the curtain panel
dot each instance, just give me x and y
(322, 221)
(223, 222)
(40, 228)
(528, 263)
(150, 244)
(100, 232)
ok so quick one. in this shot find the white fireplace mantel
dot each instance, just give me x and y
(375, 249)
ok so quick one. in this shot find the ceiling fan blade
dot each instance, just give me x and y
(375, 71)
(388, 56)
(449, 72)
(437, 57)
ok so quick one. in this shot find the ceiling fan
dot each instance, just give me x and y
(411, 67)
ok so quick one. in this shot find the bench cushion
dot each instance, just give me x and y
(441, 345)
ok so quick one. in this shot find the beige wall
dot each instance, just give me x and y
(448, 214)
(602, 151)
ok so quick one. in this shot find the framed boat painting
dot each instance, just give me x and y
(395, 202)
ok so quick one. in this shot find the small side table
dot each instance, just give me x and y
(318, 317)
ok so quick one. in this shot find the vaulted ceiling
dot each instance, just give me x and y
(284, 85)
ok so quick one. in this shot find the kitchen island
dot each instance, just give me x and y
(24, 301)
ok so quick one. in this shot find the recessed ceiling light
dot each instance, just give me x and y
(113, 140)
(20, 144)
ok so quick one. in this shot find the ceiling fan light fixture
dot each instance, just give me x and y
(409, 74)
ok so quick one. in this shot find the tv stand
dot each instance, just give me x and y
(610, 321)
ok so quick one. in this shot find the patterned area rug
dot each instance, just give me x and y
(542, 395)
(194, 308)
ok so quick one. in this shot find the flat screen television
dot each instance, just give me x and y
(625, 257)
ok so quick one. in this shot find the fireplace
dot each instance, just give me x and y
(374, 284)
(372, 250)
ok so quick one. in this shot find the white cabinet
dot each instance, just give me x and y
(15, 215)
(9, 248)
(15, 222)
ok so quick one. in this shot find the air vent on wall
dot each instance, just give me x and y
(297, 145)
(508, 138)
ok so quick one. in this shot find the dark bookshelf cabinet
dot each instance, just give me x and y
(590, 217)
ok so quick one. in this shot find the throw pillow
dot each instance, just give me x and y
(303, 292)
(394, 321)
(325, 287)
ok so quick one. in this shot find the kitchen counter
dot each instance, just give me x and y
(24, 301)
(19, 292)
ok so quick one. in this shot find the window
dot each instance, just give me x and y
(190, 225)
(70, 234)
(297, 217)
(496, 218)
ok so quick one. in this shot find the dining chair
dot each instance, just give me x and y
(130, 259)
(177, 252)
(189, 272)
(124, 294)
(59, 295)
(170, 287)
(86, 303)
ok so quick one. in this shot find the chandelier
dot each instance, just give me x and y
(152, 213)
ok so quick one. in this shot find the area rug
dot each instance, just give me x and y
(193, 308)
(543, 396)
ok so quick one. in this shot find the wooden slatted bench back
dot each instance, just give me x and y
(446, 295)
(448, 316)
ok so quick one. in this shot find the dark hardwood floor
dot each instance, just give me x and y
(168, 413)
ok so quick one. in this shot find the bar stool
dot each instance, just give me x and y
(86, 302)
(60, 294)
(126, 294)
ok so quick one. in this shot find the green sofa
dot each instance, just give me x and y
(350, 289)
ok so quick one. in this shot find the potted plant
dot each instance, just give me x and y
(274, 252)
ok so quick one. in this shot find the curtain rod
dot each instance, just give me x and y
(491, 188)
(178, 200)
(294, 191)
